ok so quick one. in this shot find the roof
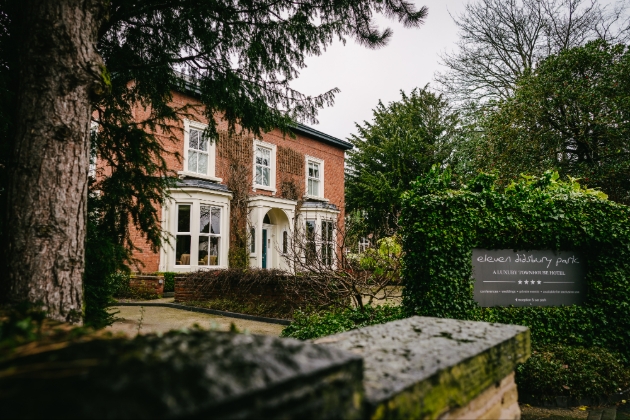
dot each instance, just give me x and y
(323, 137)
(190, 87)
(201, 183)
(308, 204)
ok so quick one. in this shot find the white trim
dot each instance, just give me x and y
(196, 198)
(320, 162)
(265, 200)
(272, 167)
(212, 152)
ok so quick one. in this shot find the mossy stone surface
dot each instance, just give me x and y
(421, 367)
(184, 375)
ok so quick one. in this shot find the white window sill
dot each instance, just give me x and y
(264, 187)
(187, 174)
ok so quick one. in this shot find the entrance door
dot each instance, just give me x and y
(264, 248)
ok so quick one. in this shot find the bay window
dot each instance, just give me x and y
(198, 236)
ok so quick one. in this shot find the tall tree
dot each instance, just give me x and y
(572, 114)
(404, 140)
(502, 40)
(77, 56)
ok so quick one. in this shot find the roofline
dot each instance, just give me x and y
(323, 137)
(192, 89)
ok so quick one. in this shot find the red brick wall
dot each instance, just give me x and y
(333, 164)
(151, 284)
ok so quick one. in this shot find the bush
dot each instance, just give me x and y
(440, 228)
(169, 281)
(248, 305)
(574, 372)
(257, 287)
(308, 325)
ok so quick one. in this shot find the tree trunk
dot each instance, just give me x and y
(59, 72)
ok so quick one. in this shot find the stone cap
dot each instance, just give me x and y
(183, 375)
(422, 367)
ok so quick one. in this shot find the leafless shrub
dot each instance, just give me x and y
(324, 254)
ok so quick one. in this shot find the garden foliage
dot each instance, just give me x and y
(574, 372)
(440, 228)
(318, 324)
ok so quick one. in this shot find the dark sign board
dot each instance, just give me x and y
(505, 277)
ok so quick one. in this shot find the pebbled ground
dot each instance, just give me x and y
(161, 320)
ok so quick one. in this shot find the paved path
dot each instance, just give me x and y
(160, 319)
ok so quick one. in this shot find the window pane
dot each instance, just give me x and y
(285, 242)
(263, 156)
(252, 245)
(214, 251)
(203, 250)
(203, 164)
(216, 221)
(192, 161)
(313, 187)
(203, 142)
(193, 139)
(183, 218)
(182, 250)
(265, 177)
(310, 229)
(310, 241)
(204, 219)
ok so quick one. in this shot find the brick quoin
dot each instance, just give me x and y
(333, 157)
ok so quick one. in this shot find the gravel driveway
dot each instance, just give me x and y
(160, 319)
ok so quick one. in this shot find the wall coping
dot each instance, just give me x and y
(423, 367)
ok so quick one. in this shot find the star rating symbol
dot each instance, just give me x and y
(539, 281)
(520, 282)
(526, 282)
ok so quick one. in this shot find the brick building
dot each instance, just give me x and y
(280, 176)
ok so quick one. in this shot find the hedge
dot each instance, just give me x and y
(440, 227)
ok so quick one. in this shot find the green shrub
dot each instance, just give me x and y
(169, 281)
(440, 228)
(250, 305)
(574, 372)
(307, 325)
(262, 287)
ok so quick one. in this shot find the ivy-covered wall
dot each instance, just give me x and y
(440, 228)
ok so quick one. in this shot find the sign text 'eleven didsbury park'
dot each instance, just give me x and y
(505, 277)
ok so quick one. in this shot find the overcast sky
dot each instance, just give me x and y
(364, 76)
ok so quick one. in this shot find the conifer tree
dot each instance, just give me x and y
(61, 60)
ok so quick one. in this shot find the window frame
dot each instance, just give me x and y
(328, 242)
(210, 235)
(188, 233)
(212, 155)
(195, 199)
(320, 162)
(272, 166)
